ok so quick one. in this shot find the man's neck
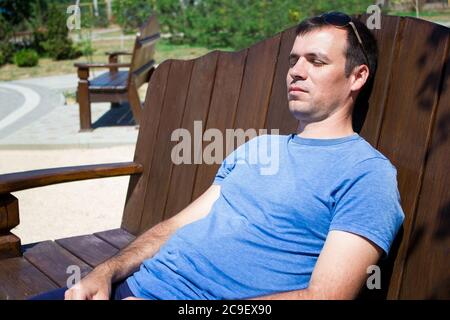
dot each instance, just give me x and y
(337, 125)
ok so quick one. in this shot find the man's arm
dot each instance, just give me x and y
(97, 284)
(340, 271)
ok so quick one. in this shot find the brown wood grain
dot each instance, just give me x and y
(426, 272)
(101, 65)
(9, 212)
(372, 114)
(197, 107)
(222, 112)
(54, 261)
(257, 83)
(110, 81)
(89, 248)
(145, 147)
(118, 238)
(39, 178)
(407, 122)
(19, 279)
(161, 165)
(9, 246)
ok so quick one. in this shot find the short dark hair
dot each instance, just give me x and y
(354, 54)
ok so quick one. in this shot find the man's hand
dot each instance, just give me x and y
(95, 286)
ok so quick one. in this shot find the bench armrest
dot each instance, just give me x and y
(101, 65)
(119, 53)
(38, 178)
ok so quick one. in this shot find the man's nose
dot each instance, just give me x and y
(298, 71)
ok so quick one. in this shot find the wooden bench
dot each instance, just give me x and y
(117, 86)
(407, 120)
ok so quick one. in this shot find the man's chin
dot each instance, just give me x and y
(299, 108)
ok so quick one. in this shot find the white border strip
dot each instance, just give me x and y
(32, 100)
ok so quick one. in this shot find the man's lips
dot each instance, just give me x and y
(294, 88)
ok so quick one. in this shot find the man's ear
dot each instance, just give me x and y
(359, 77)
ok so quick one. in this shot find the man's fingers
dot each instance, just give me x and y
(78, 294)
(68, 294)
(133, 298)
(100, 296)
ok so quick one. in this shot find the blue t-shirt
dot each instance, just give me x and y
(280, 196)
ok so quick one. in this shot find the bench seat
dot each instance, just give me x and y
(108, 81)
(44, 265)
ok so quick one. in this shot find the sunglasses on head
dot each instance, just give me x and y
(342, 20)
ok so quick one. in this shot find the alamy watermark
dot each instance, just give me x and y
(189, 150)
(75, 275)
(74, 20)
(374, 20)
(374, 280)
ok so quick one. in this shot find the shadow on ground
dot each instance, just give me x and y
(118, 115)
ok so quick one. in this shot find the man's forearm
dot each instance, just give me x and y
(304, 294)
(145, 246)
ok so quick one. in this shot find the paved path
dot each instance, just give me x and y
(37, 130)
(33, 115)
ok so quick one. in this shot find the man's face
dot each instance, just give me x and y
(316, 81)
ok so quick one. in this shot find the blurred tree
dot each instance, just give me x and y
(58, 45)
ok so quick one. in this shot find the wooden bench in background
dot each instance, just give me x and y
(117, 86)
(407, 120)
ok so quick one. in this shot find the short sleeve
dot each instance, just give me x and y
(367, 203)
(225, 168)
(240, 154)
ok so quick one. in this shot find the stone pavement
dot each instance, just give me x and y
(33, 115)
(38, 130)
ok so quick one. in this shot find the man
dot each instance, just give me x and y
(309, 231)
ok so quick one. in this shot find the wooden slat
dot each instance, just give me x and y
(144, 50)
(118, 238)
(161, 165)
(278, 115)
(222, 112)
(53, 261)
(108, 96)
(110, 81)
(145, 147)
(19, 279)
(257, 83)
(89, 248)
(197, 107)
(407, 120)
(39, 178)
(426, 273)
(387, 38)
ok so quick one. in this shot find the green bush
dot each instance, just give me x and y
(26, 58)
(39, 38)
(85, 47)
(6, 52)
(6, 47)
(58, 45)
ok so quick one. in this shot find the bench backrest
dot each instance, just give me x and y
(142, 60)
(407, 120)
